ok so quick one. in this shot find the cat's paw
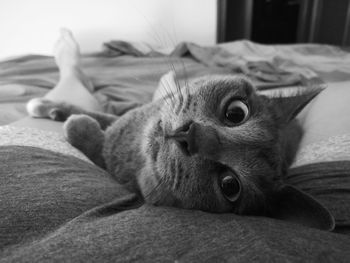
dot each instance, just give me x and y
(43, 108)
(80, 127)
(85, 133)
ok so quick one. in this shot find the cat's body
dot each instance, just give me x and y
(217, 146)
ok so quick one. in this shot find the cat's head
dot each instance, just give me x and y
(217, 145)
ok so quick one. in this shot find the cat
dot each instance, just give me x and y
(215, 144)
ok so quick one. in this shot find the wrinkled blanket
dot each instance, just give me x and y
(62, 209)
(125, 75)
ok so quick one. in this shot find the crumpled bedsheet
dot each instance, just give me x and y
(125, 75)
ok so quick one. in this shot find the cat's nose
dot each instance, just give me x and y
(185, 138)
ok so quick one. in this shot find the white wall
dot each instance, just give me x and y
(31, 26)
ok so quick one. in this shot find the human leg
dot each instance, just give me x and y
(73, 87)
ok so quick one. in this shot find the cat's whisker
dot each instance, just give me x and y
(185, 88)
(178, 88)
(171, 94)
(153, 30)
(185, 84)
(164, 40)
(175, 177)
(177, 82)
(167, 59)
(174, 42)
(188, 96)
(185, 73)
(179, 175)
(167, 94)
(153, 190)
(165, 99)
(178, 85)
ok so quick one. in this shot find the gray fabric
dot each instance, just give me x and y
(40, 190)
(59, 208)
(124, 77)
(121, 81)
(328, 182)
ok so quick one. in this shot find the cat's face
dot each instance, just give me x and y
(217, 146)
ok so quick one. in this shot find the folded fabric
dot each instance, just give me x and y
(62, 209)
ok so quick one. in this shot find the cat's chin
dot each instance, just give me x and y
(150, 184)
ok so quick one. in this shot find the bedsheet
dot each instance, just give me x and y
(125, 75)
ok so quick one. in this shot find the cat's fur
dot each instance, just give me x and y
(176, 150)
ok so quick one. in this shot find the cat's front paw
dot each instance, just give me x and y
(84, 133)
(43, 108)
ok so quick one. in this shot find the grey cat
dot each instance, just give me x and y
(215, 145)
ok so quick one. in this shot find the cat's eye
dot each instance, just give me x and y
(230, 187)
(237, 112)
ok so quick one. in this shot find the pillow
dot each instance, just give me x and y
(327, 117)
(122, 232)
(41, 190)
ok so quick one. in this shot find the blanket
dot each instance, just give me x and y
(63, 209)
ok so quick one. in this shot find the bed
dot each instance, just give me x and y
(83, 215)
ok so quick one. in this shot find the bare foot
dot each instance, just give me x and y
(66, 52)
(74, 86)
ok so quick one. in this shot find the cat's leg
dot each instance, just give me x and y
(85, 134)
(60, 111)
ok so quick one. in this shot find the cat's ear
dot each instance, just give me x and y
(167, 85)
(296, 206)
(289, 107)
